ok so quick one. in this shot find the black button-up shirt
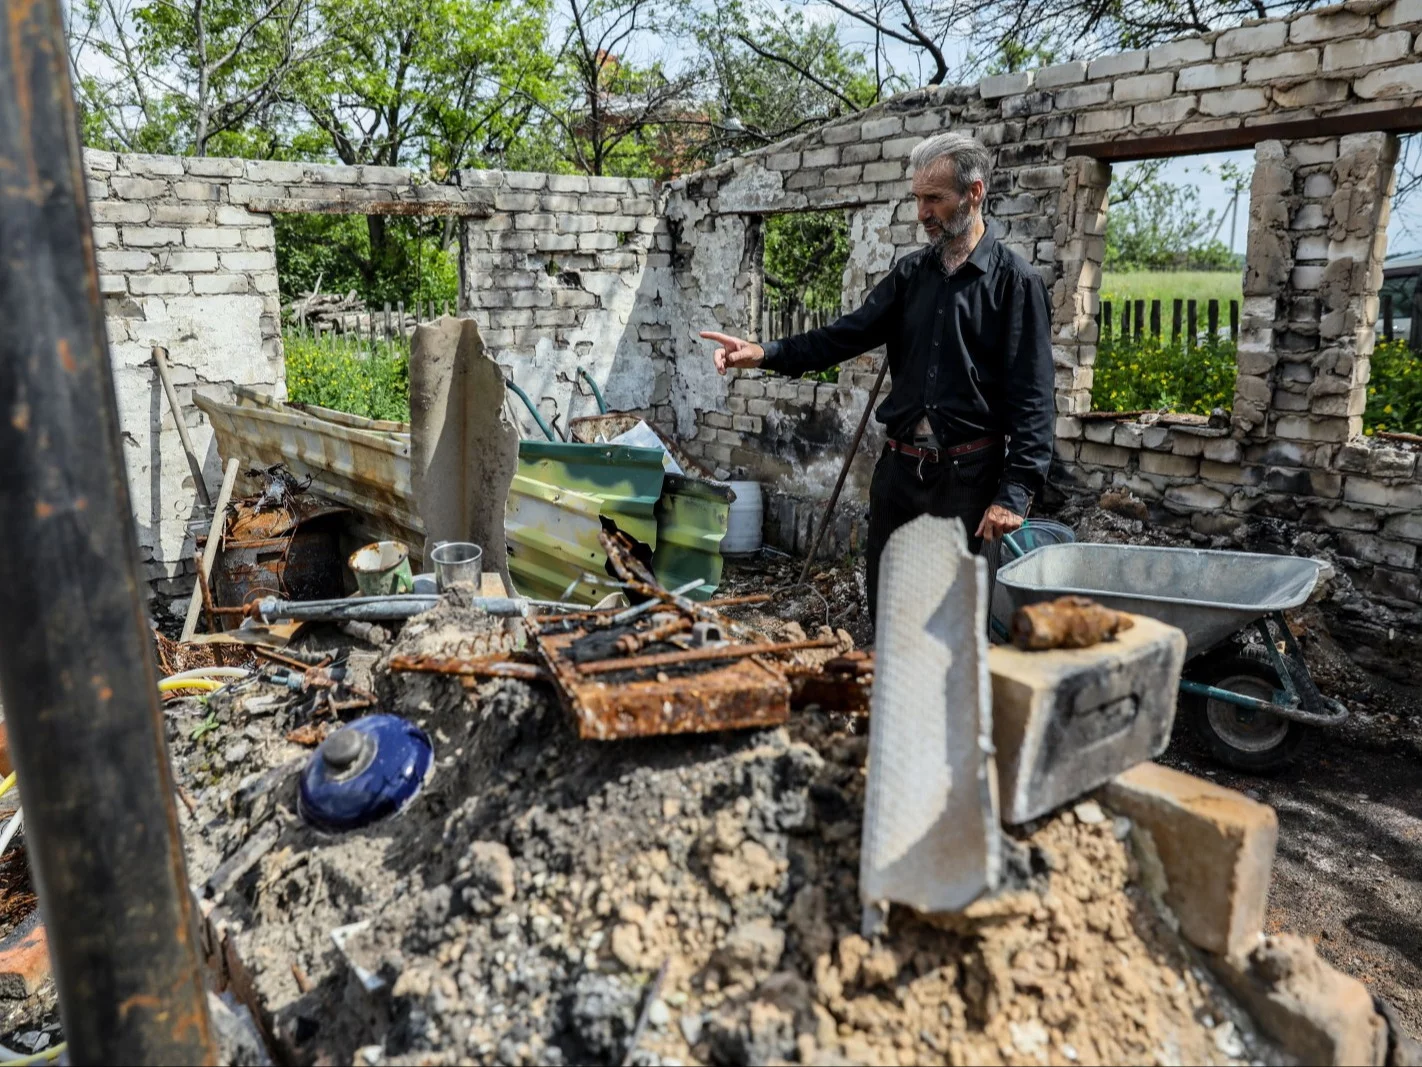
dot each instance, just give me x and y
(971, 351)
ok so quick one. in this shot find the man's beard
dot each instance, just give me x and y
(953, 227)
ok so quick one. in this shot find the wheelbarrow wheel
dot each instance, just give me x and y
(1239, 737)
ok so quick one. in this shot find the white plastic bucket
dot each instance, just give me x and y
(743, 530)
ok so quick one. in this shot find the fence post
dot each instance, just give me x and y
(1192, 323)
(1387, 316)
(1125, 320)
(1155, 319)
(1234, 320)
(1177, 306)
(387, 327)
(1212, 318)
(1140, 319)
(1105, 323)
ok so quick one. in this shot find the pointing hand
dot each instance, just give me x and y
(734, 352)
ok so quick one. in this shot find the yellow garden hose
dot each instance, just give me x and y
(207, 685)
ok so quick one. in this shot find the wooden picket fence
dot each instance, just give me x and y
(784, 318)
(1184, 318)
(362, 333)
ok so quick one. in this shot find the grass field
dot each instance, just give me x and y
(1166, 286)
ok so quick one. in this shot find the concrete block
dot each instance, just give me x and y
(1392, 81)
(996, 86)
(1316, 1014)
(1216, 847)
(1166, 112)
(1060, 74)
(935, 847)
(220, 284)
(248, 261)
(1211, 76)
(119, 211)
(151, 236)
(1117, 65)
(1081, 96)
(1103, 121)
(1312, 92)
(1284, 65)
(212, 237)
(1143, 87)
(1247, 40)
(1178, 53)
(1069, 720)
(1367, 51)
(1233, 102)
(1400, 13)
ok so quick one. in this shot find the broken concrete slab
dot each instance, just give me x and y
(1065, 721)
(1316, 1013)
(463, 448)
(930, 837)
(1216, 849)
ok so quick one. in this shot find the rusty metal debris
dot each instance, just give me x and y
(1067, 622)
(479, 667)
(843, 684)
(703, 655)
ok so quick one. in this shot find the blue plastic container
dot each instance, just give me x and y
(363, 772)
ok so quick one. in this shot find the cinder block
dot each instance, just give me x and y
(1071, 719)
(1216, 847)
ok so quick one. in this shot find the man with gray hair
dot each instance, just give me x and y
(967, 325)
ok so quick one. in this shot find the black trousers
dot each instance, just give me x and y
(961, 487)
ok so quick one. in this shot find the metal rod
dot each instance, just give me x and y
(700, 655)
(844, 472)
(628, 614)
(160, 360)
(76, 664)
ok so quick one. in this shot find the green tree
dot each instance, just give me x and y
(1155, 225)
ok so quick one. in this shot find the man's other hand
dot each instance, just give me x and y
(997, 520)
(734, 352)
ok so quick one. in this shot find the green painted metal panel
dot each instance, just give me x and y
(558, 499)
(692, 518)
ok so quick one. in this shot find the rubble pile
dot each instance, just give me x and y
(544, 896)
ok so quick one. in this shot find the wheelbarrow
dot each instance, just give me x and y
(1254, 705)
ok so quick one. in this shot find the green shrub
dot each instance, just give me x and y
(1151, 374)
(1394, 390)
(375, 384)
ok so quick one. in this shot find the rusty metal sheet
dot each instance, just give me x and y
(364, 468)
(745, 693)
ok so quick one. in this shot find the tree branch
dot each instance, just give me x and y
(797, 68)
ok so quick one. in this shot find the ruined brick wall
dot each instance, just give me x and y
(186, 255)
(1317, 217)
(565, 274)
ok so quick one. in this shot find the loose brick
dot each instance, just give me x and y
(1216, 847)
(1316, 1014)
(996, 86)
(1068, 720)
(24, 959)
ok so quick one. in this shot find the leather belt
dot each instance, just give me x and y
(933, 455)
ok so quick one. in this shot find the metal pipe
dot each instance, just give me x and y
(517, 390)
(77, 669)
(597, 393)
(843, 472)
(378, 608)
(1337, 712)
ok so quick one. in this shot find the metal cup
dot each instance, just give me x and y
(457, 561)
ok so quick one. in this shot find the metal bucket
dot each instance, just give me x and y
(457, 561)
(382, 568)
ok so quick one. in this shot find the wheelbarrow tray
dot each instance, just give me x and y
(1207, 594)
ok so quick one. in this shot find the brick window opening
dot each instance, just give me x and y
(1393, 399)
(1171, 285)
(799, 263)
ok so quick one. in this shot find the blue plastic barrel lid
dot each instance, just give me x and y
(363, 772)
